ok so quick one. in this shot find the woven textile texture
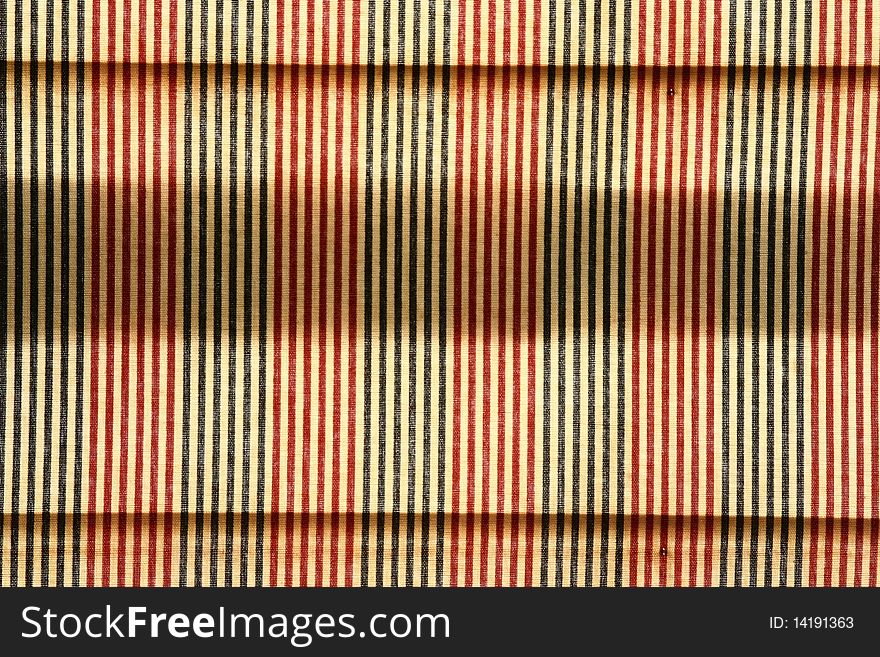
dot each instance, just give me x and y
(435, 292)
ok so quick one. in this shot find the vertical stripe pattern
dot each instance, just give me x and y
(430, 292)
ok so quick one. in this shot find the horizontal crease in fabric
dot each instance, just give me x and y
(867, 67)
(131, 516)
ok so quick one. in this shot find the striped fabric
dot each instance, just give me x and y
(435, 292)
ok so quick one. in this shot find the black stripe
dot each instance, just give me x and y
(18, 311)
(80, 288)
(771, 297)
(756, 317)
(4, 303)
(383, 294)
(247, 313)
(576, 293)
(593, 219)
(548, 282)
(563, 273)
(232, 268)
(801, 284)
(621, 295)
(740, 302)
(368, 291)
(413, 284)
(398, 300)
(203, 295)
(33, 300)
(263, 273)
(183, 536)
(49, 285)
(776, 85)
(64, 374)
(427, 304)
(441, 285)
(785, 286)
(606, 300)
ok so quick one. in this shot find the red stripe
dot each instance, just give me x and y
(696, 511)
(665, 305)
(814, 315)
(517, 284)
(472, 301)
(125, 332)
(323, 211)
(861, 228)
(456, 304)
(473, 283)
(308, 218)
(875, 371)
(110, 337)
(171, 332)
(651, 327)
(860, 334)
(712, 205)
(666, 320)
(532, 301)
(487, 301)
(680, 318)
(140, 390)
(141, 303)
(845, 324)
(294, 284)
(636, 301)
(831, 436)
(94, 320)
(337, 310)
(157, 281)
(354, 211)
(276, 302)
(504, 171)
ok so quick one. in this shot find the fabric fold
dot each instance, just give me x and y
(433, 293)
